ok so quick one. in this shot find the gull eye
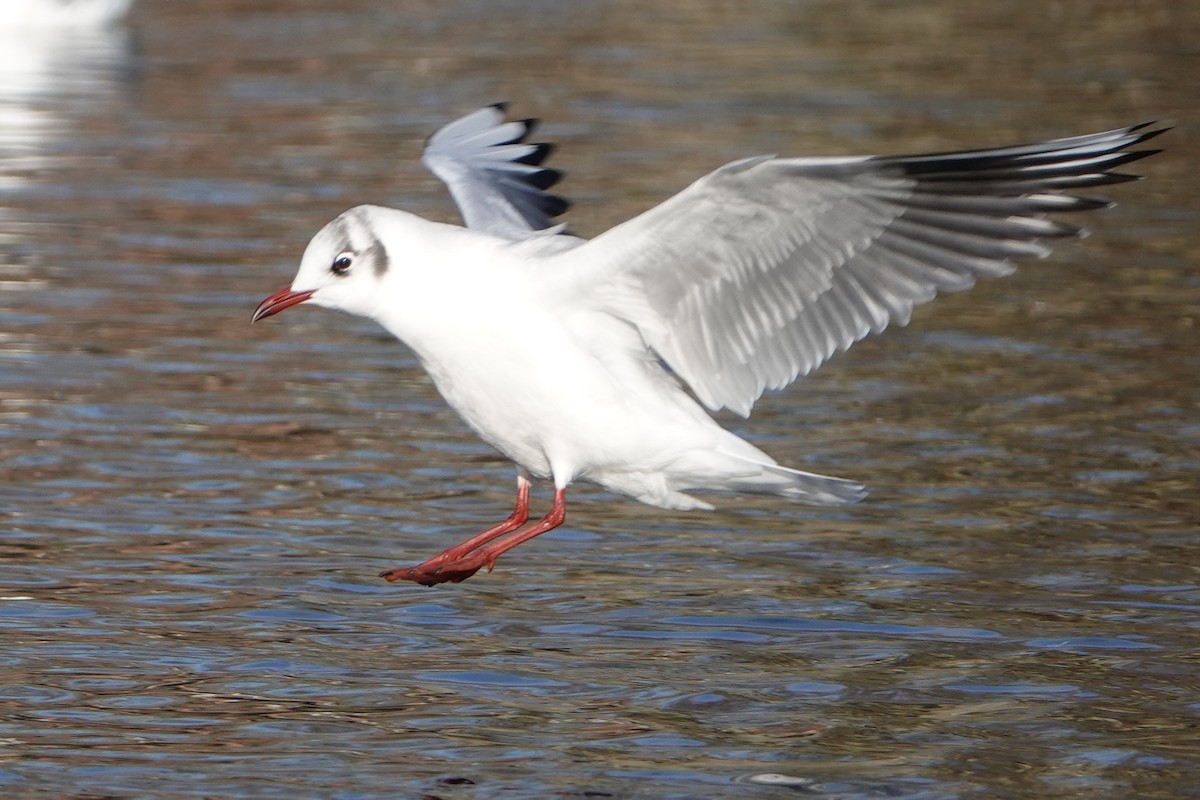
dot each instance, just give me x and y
(341, 264)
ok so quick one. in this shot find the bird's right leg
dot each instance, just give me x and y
(516, 519)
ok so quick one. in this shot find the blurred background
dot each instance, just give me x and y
(195, 510)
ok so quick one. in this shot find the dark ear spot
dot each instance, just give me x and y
(375, 253)
(378, 255)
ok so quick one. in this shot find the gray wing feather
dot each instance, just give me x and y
(760, 271)
(495, 176)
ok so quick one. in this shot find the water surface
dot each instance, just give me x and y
(195, 510)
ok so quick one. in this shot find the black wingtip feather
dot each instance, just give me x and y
(1083, 154)
(1088, 203)
(1058, 167)
(544, 150)
(543, 179)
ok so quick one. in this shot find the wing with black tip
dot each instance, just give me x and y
(495, 176)
(759, 272)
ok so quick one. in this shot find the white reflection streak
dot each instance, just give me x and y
(57, 57)
(30, 14)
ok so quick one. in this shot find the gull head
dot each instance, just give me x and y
(344, 267)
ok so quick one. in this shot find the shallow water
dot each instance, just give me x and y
(195, 510)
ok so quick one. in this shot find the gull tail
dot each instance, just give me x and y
(792, 483)
(809, 487)
(748, 470)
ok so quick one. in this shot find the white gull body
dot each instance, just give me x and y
(528, 355)
(569, 356)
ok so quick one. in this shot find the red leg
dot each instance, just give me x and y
(459, 569)
(515, 520)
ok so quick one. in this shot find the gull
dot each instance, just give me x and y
(571, 356)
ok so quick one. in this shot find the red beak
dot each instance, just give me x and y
(284, 298)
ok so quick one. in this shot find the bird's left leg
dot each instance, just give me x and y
(485, 556)
(515, 520)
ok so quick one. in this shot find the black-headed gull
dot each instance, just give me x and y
(568, 356)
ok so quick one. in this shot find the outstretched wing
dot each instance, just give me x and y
(760, 271)
(495, 176)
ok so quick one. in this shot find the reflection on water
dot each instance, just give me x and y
(195, 510)
(49, 77)
(43, 16)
